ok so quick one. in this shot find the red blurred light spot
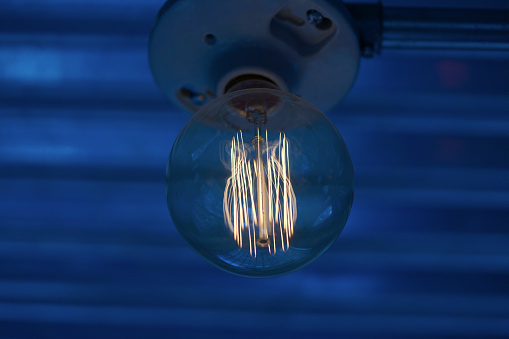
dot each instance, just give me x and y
(453, 74)
(450, 149)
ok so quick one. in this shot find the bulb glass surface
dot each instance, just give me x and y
(259, 182)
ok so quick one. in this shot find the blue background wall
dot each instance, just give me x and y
(87, 247)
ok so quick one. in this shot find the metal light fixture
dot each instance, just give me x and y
(259, 181)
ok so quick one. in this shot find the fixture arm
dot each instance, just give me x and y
(381, 27)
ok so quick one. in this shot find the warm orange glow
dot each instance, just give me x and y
(259, 204)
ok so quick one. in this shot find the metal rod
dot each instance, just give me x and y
(430, 28)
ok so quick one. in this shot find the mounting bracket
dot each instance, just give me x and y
(307, 47)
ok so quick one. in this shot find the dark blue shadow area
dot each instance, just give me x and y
(87, 246)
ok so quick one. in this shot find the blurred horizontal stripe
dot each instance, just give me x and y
(214, 319)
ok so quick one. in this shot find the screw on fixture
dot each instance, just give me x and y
(209, 39)
(190, 95)
(314, 17)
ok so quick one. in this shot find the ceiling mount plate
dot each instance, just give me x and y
(307, 47)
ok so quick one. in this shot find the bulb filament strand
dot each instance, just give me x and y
(259, 203)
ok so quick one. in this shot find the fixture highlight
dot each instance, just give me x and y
(259, 181)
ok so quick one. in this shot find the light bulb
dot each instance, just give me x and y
(259, 182)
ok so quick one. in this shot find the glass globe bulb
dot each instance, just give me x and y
(259, 182)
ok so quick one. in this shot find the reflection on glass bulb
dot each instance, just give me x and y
(259, 182)
(259, 203)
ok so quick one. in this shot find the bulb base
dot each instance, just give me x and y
(249, 81)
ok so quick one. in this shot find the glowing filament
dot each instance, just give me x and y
(259, 204)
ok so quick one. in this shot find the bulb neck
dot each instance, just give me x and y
(249, 81)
